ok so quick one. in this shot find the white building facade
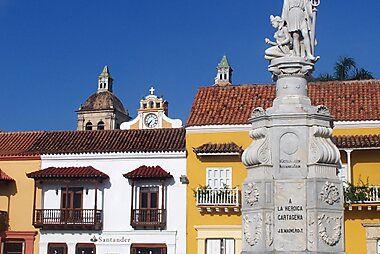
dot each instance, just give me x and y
(113, 202)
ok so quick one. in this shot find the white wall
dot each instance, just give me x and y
(117, 197)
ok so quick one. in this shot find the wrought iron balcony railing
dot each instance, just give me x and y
(68, 219)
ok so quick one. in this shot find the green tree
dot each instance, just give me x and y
(361, 74)
(345, 69)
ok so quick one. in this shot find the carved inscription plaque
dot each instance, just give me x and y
(290, 216)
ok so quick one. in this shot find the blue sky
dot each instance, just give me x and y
(52, 51)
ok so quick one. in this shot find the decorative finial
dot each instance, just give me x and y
(105, 72)
(224, 62)
(151, 90)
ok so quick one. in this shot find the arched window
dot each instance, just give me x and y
(101, 125)
(88, 126)
(151, 104)
(225, 75)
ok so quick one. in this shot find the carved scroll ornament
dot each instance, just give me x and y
(322, 149)
(259, 151)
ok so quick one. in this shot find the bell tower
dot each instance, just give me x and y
(102, 110)
(105, 80)
(224, 73)
(152, 114)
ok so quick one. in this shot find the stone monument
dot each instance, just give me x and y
(292, 197)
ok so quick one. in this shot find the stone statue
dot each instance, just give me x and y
(293, 200)
(281, 47)
(298, 15)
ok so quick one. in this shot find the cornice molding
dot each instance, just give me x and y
(247, 127)
(105, 156)
(219, 128)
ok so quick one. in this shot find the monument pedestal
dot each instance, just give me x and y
(292, 198)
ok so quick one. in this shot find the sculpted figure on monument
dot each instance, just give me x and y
(299, 16)
(281, 47)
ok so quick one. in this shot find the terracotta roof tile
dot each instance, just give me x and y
(359, 141)
(60, 142)
(67, 172)
(4, 177)
(144, 172)
(18, 143)
(346, 100)
(212, 148)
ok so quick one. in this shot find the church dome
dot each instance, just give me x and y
(102, 101)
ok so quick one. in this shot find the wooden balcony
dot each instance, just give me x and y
(73, 219)
(218, 200)
(148, 218)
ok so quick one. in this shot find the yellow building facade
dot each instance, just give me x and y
(16, 205)
(220, 116)
(214, 220)
(360, 158)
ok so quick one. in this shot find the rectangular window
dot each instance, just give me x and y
(85, 248)
(220, 246)
(57, 248)
(13, 247)
(218, 178)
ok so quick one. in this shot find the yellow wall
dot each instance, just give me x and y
(166, 124)
(196, 173)
(17, 198)
(356, 131)
(365, 164)
(354, 230)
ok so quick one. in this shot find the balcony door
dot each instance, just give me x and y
(149, 204)
(72, 204)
